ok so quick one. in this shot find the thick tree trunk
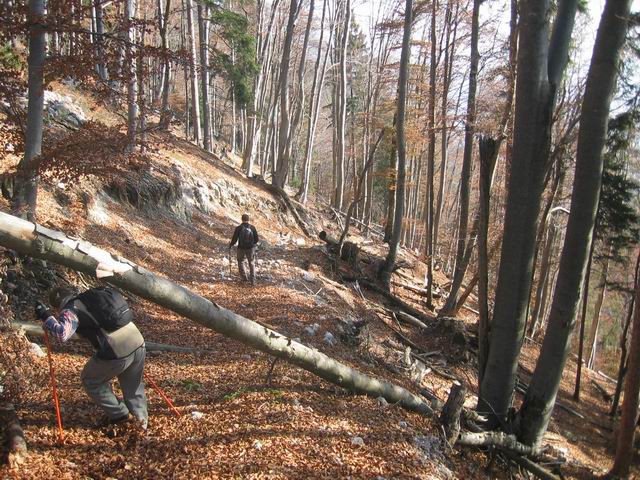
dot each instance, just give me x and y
(488, 153)
(626, 432)
(541, 395)
(535, 98)
(26, 186)
(40, 242)
(403, 78)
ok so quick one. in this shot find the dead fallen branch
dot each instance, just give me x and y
(494, 439)
(396, 301)
(531, 466)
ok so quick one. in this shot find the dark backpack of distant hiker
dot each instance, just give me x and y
(246, 239)
(106, 308)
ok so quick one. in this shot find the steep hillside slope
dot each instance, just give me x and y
(243, 414)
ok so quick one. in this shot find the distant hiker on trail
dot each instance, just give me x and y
(102, 316)
(247, 237)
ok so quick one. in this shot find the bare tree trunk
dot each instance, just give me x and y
(622, 367)
(431, 158)
(163, 19)
(132, 88)
(488, 154)
(99, 41)
(543, 281)
(40, 242)
(626, 431)
(465, 175)
(403, 79)
(592, 343)
(193, 74)
(341, 118)
(583, 321)
(314, 107)
(203, 14)
(538, 79)
(26, 186)
(282, 161)
(541, 395)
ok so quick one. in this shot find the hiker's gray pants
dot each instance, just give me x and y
(249, 254)
(96, 380)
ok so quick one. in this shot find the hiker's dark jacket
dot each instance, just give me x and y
(236, 234)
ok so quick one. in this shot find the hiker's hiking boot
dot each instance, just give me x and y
(113, 427)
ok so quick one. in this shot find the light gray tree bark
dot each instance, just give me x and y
(163, 21)
(193, 72)
(540, 398)
(26, 186)
(132, 84)
(37, 241)
(203, 14)
(284, 146)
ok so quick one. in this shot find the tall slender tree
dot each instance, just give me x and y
(403, 80)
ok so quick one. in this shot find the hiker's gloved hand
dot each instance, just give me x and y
(42, 312)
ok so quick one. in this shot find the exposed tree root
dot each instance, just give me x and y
(14, 436)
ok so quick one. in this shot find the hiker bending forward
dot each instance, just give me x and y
(102, 316)
(247, 237)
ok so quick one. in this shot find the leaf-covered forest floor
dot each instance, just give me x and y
(242, 415)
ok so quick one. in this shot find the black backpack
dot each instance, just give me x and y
(245, 238)
(106, 308)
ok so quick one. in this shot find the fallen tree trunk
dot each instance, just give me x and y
(35, 240)
(396, 301)
(36, 330)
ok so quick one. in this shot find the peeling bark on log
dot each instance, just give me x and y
(14, 436)
(450, 415)
(495, 439)
(36, 330)
(35, 240)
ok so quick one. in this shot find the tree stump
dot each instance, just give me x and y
(450, 416)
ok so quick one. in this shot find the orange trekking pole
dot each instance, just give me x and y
(54, 385)
(161, 393)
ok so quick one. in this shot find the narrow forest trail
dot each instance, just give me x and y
(240, 419)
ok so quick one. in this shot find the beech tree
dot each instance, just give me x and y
(537, 406)
(540, 65)
(387, 267)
